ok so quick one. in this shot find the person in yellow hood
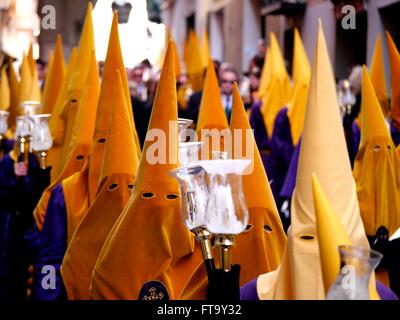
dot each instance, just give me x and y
(323, 151)
(149, 253)
(288, 125)
(53, 228)
(377, 175)
(119, 168)
(260, 247)
(71, 156)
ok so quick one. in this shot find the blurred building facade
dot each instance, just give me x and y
(235, 25)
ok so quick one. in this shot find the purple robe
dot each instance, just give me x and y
(18, 197)
(7, 145)
(290, 179)
(395, 133)
(249, 291)
(278, 162)
(48, 283)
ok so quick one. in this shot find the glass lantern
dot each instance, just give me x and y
(357, 266)
(23, 134)
(189, 152)
(226, 213)
(3, 125)
(3, 121)
(194, 197)
(41, 137)
(30, 108)
(183, 124)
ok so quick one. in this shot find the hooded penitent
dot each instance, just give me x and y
(81, 138)
(87, 180)
(260, 247)
(54, 78)
(278, 89)
(323, 151)
(377, 167)
(394, 59)
(212, 124)
(119, 168)
(301, 78)
(149, 253)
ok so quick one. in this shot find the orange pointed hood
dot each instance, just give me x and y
(163, 255)
(25, 82)
(54, 78)
(114, 61)
(212, 124)
(120, 164)
(394, 59)
(265, 240)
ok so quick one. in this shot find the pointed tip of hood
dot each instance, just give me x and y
(211, 113)
(372, 120)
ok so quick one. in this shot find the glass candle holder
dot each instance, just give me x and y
(41, 137)
(357, 265)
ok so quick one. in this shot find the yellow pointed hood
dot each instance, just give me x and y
(301, 67)
(205, 49)
(372, 120)
(301, 77)
(14, 96)
(81, 136)
(81, 68)
(265, 74)
(26, 82)
(31, 59)
(177, 61)
(36, 94)
(258, 243)
(163, 256)
(330, 233)
(323, 136)
(211, 112)
(4, 91)
(120, 144)
(194, 65)
(120, 164)
(378, 78)
(279, 90)
(113, 62)
(377, 167)
(212, 123)
(394, 59)
(54, 78)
